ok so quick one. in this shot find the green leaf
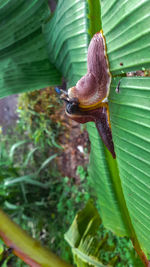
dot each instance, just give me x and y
(14, 147)
(24, 63)
(67, 39)
(46, 162)
(10, 206)
(106, 181)
(127, 32)
(82, 237)
(29, 156)
(130, 119)
(29, 179)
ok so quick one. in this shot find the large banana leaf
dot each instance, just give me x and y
(110, 177)
(125, 201)
(130, 113)
(24, 63)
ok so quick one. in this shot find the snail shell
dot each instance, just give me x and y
(93, 88)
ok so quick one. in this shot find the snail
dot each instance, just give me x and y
(87, 100)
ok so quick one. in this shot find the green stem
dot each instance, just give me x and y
(25, 247)
(94, 16)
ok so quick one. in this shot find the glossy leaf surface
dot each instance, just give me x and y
(106, 181)
(67, 39)
(24, 63)
(123, 189)
(130, 115)
(126, 28)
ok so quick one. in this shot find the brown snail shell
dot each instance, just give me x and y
(92, 88)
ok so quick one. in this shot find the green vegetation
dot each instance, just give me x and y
(34, 193)
(92, 244)
(32, 190)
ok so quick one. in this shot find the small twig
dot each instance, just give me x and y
(118, 87)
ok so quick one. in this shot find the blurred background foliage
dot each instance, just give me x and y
(33, 191)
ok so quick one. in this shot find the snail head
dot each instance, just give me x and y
(72, 104)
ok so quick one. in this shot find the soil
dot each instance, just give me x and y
(76, 149)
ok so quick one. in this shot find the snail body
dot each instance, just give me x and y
(93, 88)
(86, 100)
(101, 118)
